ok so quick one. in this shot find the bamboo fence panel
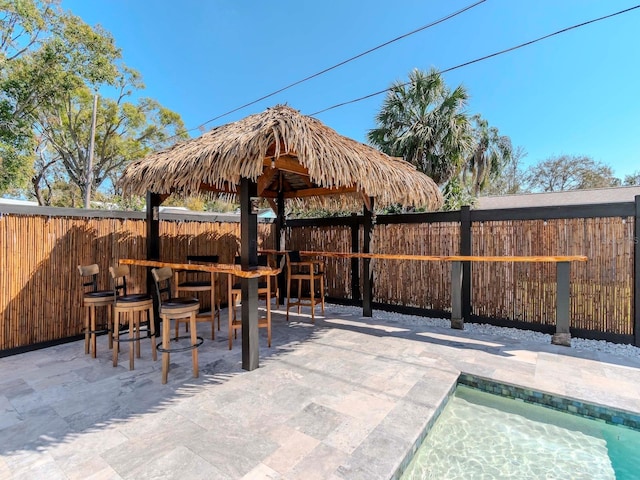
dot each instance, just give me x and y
(40, 288)
(41, 291)
(413, 283)
(601, 288)
(326, 239)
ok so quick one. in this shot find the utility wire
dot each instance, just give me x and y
(344, 62)
(481, 58)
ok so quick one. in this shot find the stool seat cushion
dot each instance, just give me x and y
(99, 294)
(179, 302)
(134, 297)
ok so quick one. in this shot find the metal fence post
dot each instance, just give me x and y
(465, 249)
(367, 286)
(563, 334)
(456, 296)
(636, 274)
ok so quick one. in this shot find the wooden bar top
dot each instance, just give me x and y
(228, 268)
(441, 258)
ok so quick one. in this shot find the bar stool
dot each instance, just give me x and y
(305, 270)
(132, 305)
(198, 285)
(91, 299)
(264, 288)
(180, 309)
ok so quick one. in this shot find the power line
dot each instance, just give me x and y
(344, 62)
(482, 58)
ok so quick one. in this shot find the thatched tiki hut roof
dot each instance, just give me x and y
(281, 150)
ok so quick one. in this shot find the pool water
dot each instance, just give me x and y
(484, 436)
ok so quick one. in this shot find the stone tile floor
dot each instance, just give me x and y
(346, 398)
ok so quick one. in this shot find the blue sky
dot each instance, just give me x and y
(575, 93)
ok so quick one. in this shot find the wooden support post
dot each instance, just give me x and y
(355, 263)
(465, 249)
(153, 250)
(636, 274)
(457, 321)
(367, 287)
(249, 256)
(153, 226)
(281, 223)
(563, 334)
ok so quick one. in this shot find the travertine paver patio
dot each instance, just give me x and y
(344, 399)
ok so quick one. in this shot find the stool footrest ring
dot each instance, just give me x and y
(97, 332)
(146, 331)
(180, 349)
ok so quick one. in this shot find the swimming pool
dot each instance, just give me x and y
(482, 435)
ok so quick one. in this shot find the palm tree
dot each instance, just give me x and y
(424, 122)
(490, 154)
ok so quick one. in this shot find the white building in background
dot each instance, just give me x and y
(13, 201)
(554, 199)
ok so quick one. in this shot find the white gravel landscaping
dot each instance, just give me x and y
(514, 333)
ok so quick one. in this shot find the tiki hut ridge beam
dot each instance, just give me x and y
(278, 154)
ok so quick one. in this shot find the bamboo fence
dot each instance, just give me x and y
(601, 288)
(41, 289)
(41, 293)
(418, 284)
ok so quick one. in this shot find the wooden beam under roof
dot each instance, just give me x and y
(319, 191)
(274, 206)
(272, 149)
(286, 163)
(266, 179)
(205, 187)
(285, 185)
(307, 182)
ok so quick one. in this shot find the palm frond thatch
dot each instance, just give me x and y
(282, 150)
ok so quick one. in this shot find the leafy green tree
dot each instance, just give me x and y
(23, 25)
(491, 153)
(569, 172)
(46, 174)
(124, 131)
(510, 179)
(424, 122)
(45, 52)
(632, 179)
(456, 194)
(491, 156)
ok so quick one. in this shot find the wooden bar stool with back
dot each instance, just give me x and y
(192, 282)
(133, 305)
(91, 299)
(305, 270)
(180, 309)
(267, 288)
